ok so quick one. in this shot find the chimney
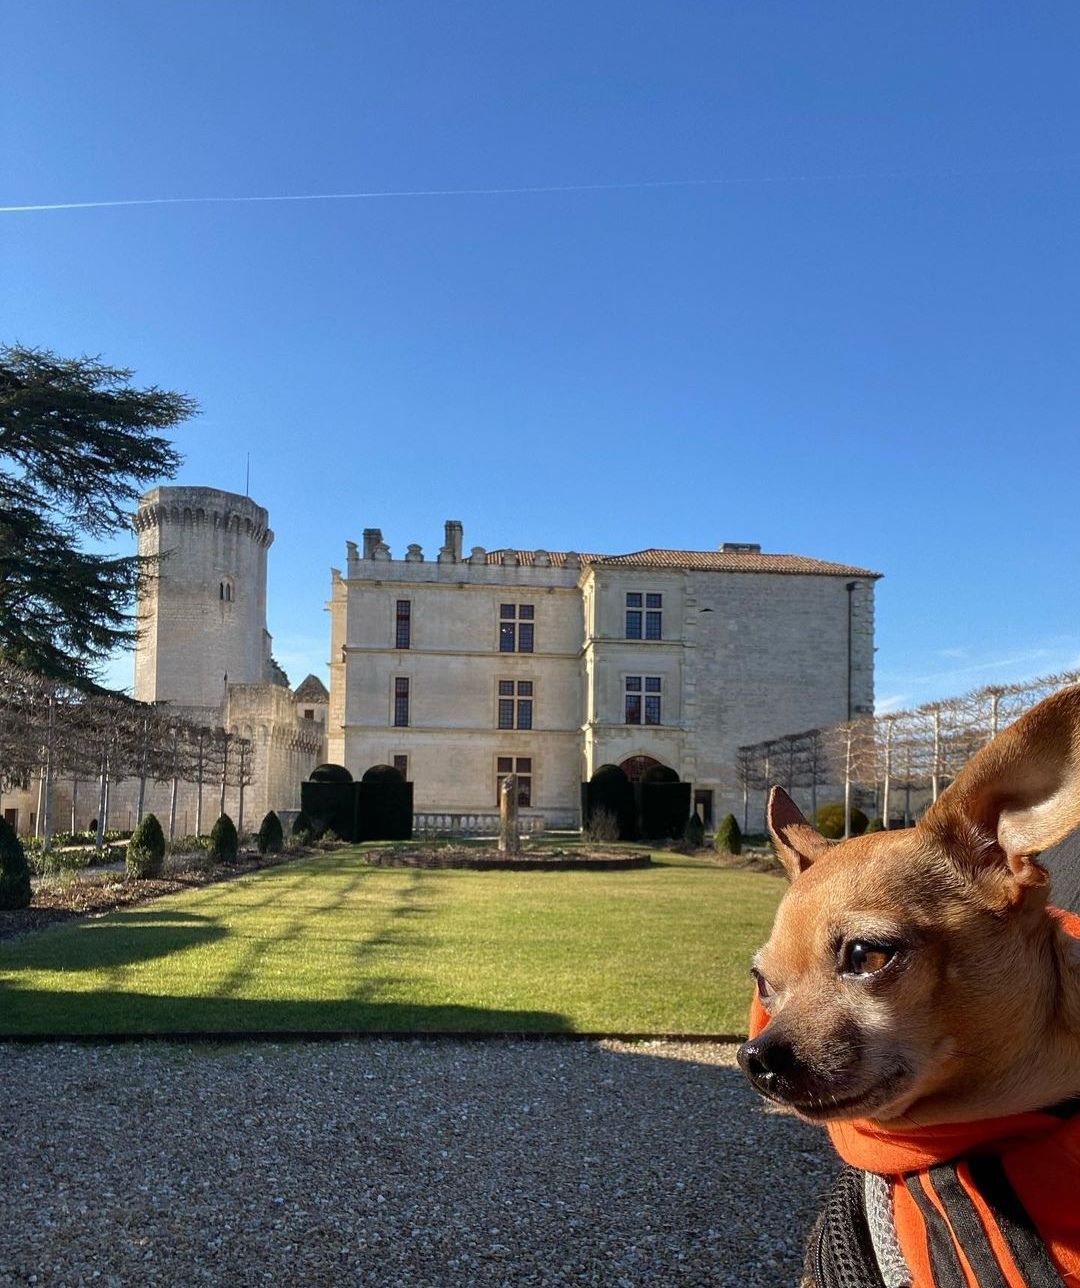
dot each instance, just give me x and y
(455, 533)
(740, 548)
(372, 540)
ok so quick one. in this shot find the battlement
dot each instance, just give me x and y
(203, 506)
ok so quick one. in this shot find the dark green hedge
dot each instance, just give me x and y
(271, 837)
(609, 789)
(384, 809)
(330, 807)
(14, 873)
(665, 807)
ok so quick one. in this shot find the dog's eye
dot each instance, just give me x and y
(765, 990)
(861, 958)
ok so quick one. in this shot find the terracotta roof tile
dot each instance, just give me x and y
(698, 560)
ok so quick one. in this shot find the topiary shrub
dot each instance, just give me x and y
(829, 820)
(383, 774)
(14, 874)
(145, 855)
(609, 791)
(694, 832)
(383, 807)
(224, 842)
(728, 838)
(330, 774)
(659, 774)
(271, 838)
(302, 830)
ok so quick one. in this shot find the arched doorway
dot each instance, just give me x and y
(635, 767)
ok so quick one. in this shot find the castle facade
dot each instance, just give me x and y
(461, 668)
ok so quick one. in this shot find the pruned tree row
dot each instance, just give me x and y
(50, 731)
(895, 763)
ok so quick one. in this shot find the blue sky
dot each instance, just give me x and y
(857, 340)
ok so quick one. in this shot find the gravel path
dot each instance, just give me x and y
(398, 1163)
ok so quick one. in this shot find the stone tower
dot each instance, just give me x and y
(203, 617)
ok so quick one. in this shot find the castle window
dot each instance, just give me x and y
(516, 628)
(522, 766)
(309, 713)
(225, 592)
(403, 624)
(401, 701)
(642, 705)
(644, 615)
(401, 764)
(515, 699)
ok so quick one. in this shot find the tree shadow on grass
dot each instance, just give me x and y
(115, 1013)
(119, 940)
(125, 939)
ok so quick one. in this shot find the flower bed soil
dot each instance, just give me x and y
(495, 860)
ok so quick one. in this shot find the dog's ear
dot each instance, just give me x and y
(797, 843)
(1015, 797)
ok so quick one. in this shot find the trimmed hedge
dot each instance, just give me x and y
(14, 873)
(224, 843)
(383, 774)
(330, 806)
(829, 820)
(330, 774)
(694, 832)
(145, 855)
(384, 805)
(302, 827)
(728, 839)
(271, 837)
(609, 791)
(664, 804)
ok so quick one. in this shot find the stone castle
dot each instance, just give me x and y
(467, 666)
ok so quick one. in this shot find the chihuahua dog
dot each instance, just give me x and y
(917, 979)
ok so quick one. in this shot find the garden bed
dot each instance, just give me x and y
(455, 856)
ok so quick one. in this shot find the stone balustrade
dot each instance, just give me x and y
(472, 824)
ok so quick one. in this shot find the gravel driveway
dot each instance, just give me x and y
(398, 1163)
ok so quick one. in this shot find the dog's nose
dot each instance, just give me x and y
(766, 1058)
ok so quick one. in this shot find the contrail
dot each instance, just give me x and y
(1041, 166)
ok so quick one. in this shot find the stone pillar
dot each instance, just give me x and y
(509, 840)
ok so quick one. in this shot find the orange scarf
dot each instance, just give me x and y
(987, 1204)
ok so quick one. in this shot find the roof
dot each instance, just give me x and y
(311, 689)
(696, 560)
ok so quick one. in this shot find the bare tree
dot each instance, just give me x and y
(918, 751)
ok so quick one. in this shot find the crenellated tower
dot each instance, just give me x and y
(202, 616)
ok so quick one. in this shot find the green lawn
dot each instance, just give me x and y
(333, 943)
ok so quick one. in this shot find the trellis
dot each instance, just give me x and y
(916, 752)
(50, 731)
